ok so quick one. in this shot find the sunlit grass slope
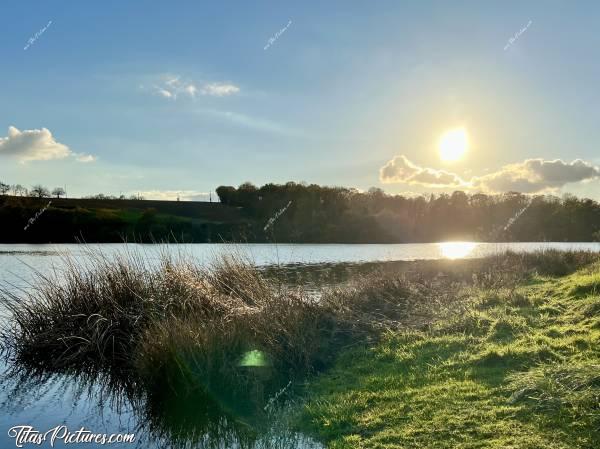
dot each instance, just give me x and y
(519, 369)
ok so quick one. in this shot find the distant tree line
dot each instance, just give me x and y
(101, 196)
(300, 213)
(39, 191)
(337, 214)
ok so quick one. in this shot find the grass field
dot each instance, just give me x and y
(519, 368)
(67, 220)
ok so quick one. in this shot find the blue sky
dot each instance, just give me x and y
(181, 96)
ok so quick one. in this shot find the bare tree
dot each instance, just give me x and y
(40, 191)
(4, 188)
(58, 192)
(19, 190)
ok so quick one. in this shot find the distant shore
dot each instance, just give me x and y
(297, 213)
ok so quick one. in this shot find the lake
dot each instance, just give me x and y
(46, 403)
(17, 261)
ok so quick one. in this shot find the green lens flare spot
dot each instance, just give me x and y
(254, 358)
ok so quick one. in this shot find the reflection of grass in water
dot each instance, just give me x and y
(187, 416)
(217, 418)
(174, 416)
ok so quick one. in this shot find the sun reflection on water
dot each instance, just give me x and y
(456, 250)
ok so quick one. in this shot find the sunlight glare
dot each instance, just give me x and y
(456, 250)
(453, 144)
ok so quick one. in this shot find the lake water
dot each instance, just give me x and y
(18, 261)
(45, 403)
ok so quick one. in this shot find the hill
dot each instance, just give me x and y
(66, 220)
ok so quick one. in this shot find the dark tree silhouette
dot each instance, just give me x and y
(58, 192)
(336, 214)
(18, 190)
(39, 191)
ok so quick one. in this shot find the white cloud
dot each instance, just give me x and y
(191, 90)
(163, 92)
(173, 81)
(536, 175)
(172, 195)
(401, 170)
(172, 86)
(85, 158)
(36, 145)
(219, 89)
(32, 145)
(529, 176)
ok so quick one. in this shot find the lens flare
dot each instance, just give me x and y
(254, 358)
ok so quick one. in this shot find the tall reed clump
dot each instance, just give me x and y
(92, 315)
(173, 322)
(170, 321)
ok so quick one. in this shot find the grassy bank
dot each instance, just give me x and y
(519, 367)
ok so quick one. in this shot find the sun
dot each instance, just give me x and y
(453, 144)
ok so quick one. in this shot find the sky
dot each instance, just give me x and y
(176, 98)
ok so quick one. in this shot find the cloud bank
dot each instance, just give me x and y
(529, 176)
(36, 145)
(536, 175)
(172, 195)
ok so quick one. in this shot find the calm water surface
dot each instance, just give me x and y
(76, 403)
(18, 261)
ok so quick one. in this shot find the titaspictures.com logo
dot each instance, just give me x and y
(25, 435)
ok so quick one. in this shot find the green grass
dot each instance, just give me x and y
(519, 369)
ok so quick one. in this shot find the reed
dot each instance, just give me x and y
(172, 321)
